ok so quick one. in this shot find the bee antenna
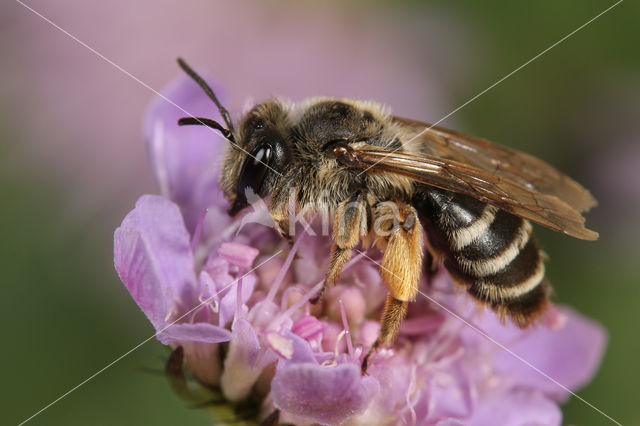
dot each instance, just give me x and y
(186, 121)
(209, 91)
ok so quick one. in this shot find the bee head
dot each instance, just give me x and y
(257, 154)
(256, 167)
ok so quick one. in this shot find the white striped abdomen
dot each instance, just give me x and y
(489, 251)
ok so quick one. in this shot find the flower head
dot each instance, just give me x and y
(238, 305)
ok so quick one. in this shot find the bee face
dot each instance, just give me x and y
(258, 162)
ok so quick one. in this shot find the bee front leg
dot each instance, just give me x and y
(280, 207)
(398, 229)
(349, 226)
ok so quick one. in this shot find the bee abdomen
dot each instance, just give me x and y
(490, 252)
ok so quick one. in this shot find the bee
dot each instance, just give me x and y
(406, 186)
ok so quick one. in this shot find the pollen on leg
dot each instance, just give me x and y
(400, 269)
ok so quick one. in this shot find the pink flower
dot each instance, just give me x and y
(302, 361)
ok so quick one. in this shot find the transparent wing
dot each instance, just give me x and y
(517, 167)
(511, 195)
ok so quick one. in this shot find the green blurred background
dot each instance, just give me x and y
(72, 160)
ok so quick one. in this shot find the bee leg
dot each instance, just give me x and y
(280, 207)
(349, 226)
(400, 269)
(392, 316)
(432, 267)
(339, 257)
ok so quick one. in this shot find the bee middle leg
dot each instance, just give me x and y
(432, 266)
(399, 234)
(350, 225)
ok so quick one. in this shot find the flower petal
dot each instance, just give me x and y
(328, 395)
(282, 346)
(570, 356)
(385, 406)
(515, 408)
(307, 327)
(154, 260)
(302, 352)
(238, 254)
(185, 159)
(240, 370)
(448, 394)
(200, 332)
(218, 270)
(229, 302)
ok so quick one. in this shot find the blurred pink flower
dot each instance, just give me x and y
(304, 360)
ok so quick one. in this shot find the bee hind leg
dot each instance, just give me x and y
(394, 312)
(400, 269)
(349, 226)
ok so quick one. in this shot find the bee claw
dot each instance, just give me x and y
(315, 299)
(365, 364)
(365, 360)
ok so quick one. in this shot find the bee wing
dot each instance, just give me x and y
(510, 195)
(515, 166)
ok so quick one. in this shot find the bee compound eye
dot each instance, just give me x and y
(254, 170)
